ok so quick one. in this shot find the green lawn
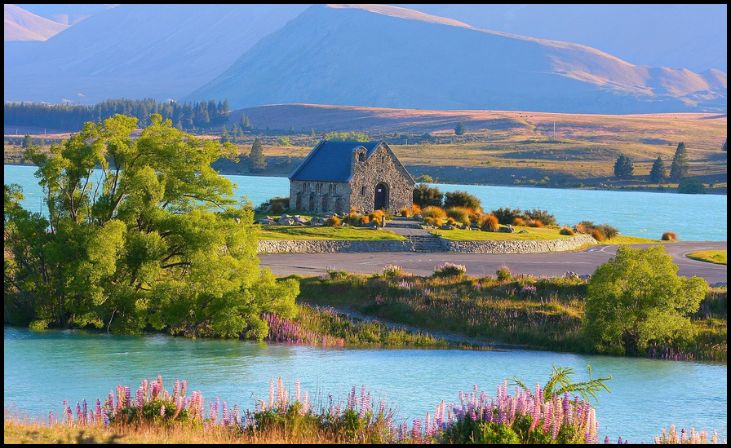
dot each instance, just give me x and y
(533, 233)
(324, 233)
(626, 239)
(710, 256)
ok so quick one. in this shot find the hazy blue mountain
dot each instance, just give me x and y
(64, 13)
(138, 51)
(691, 36)
(395, 57)
(22, 25)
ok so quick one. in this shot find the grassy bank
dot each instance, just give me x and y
(325, 233)
(539, 313)
(710, 256)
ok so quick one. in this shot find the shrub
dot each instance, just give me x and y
(535, 223)
(459, 214)
(566, 231)
(541, 215)
(451, 222)
(669, 236)
(489, 223)
(691, 186)
(415, 209)
(430, 221)
(450, 270)
(461, 199)
(608, 231)
(598, 235)
(391, 270)
(364, 220)
(507, 215)
(376, 216)
(504, 274)
(434, 212)
(584, 227)
(425, 196)
(353, 218)
(405, 212)
(276, 205)
(333, 221)
(518, 221)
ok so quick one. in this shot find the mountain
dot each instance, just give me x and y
(691, 35)
(22, 25)
(65, 13)
(138, 51)
(385, 56)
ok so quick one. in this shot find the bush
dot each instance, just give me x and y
(405, 212)
(377, 216)
(434, 212)
(415, 209)
(391, 270)
(598, 235)
(504, 274)
(459, 214)
(450, 270)
(608, 231)
(566, 231)
(333, 221)
(451, 222)
(430, 221)
(691, 186)
(425, 196)
(535, 223)
(364, 220)
(489, 223)
(518, 221)
(461, 199)
(669, 236)
(541, 215)
(276, 205)
(507, 215)
(584, 227)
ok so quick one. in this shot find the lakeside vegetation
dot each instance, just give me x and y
(710, 256)
(559, 412)
(548, 314)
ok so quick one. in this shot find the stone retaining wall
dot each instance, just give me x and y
(518, 246)
(469, 247)
(329, 246)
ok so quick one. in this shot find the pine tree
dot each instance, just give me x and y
(245, 122)
(459, 129)
(679, 167)
(657, 173)
(257, 161)
(623, 167)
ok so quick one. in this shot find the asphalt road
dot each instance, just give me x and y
(547, 264)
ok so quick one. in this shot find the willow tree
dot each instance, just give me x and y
(139, 233)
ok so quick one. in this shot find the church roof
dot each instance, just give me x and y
(331, 161)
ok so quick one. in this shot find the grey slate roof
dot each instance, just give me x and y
(330, 161)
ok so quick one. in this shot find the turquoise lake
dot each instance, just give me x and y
(43, 369)
(692, 217)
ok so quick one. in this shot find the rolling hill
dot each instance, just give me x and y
(22, 25)
(384, 56)
(138, 51)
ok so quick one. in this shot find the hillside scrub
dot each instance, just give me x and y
(153, 240)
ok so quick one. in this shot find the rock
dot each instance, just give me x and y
(286, 221)
(266, 221)
(507, 229)
(523, 231)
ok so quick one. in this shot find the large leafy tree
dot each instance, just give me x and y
(637, 298)
(140, 232)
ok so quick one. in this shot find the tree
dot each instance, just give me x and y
(658, 173)
(27, 142)
(637, 298)
(679, 167)
(691, 186)
(459, 128)
(257, 161)
(623, 167)
(245, 122)
(152, 239)
(461, 199)
(424, 196)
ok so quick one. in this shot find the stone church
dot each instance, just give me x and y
(336, 177)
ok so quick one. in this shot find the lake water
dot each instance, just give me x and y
(692, 217)
(44, 368)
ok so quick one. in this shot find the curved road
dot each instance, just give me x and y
(546, 264)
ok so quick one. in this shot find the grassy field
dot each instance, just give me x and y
(710, 256)
(625, 239)
(508, 148)
(325, 233)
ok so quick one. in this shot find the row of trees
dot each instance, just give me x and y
(624, 167)
(198, 115)
(139, 233)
